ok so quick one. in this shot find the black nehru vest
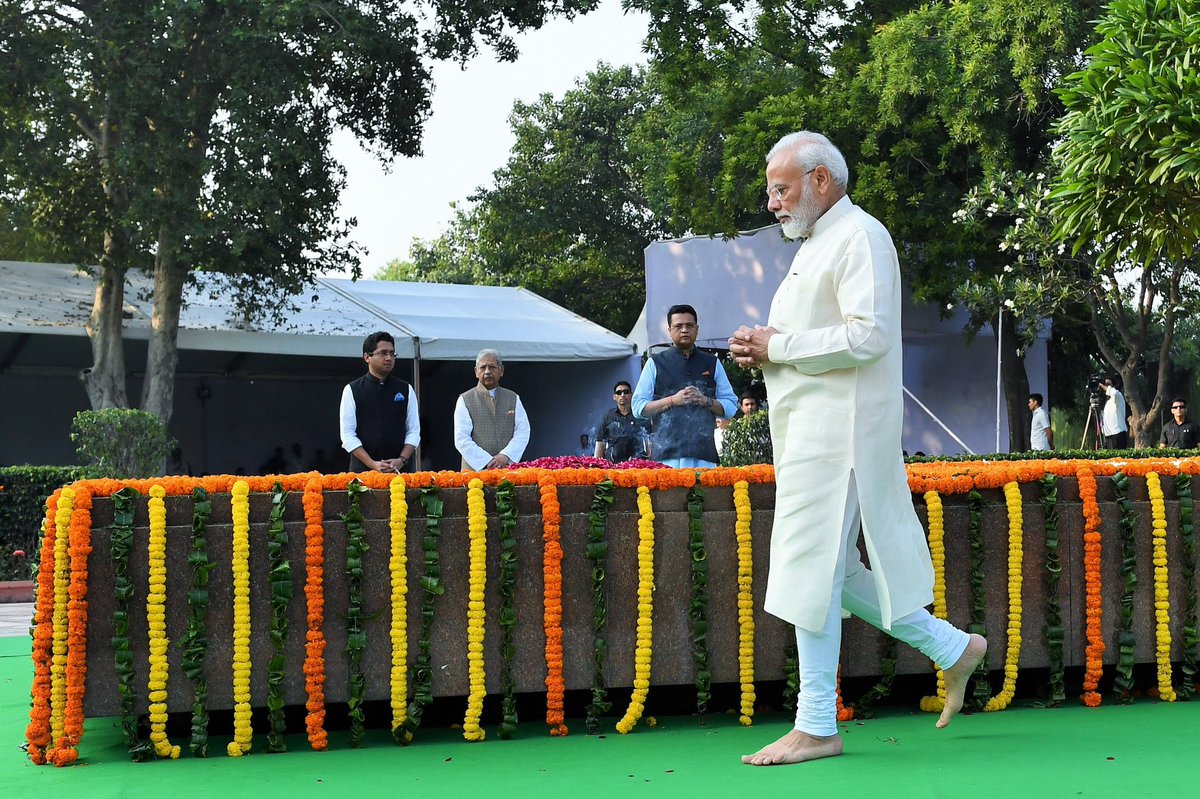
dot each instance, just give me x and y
(685, 431)
(382, 414)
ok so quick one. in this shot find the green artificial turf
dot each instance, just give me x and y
(1145, 750)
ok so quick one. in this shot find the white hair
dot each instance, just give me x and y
(811, 150)
(493, 353)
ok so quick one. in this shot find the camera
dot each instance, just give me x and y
(1094, 389)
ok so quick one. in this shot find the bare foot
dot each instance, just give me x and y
(957, 676)
(795, 747)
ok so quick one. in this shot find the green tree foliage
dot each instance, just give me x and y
(121, 443)
(566, 217)
(196, 134)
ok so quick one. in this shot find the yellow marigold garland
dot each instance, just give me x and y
(1016, 559)
(59, 619)
(398, 567)
(745, 560)
(477, 526)
(242, 732)
(1162, 598)
(645, 626)
(156, 624)
(937, 553)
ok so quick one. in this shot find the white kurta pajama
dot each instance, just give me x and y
(834, 381)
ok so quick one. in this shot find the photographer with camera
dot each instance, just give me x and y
(1113, 425)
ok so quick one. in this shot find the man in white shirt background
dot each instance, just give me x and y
(1041, 436)
(1113, 425)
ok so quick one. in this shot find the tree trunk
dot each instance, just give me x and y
(1016, 389)
(170, 274)
(105, 379)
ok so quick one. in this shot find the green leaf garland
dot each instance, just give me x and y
(1054, 623)
(698, 608)
(1191, 637)
(281, 595)
(597, 553)
(791, 669)
(195, 638)
(356, 634)
(121, 543)
(978, 625)
(506, 510)
(431, 583)
(1126, 638)
(864, 708)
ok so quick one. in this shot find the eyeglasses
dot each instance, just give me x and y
(779, 190)
(679, 327)
(1178, 407)
(487, 367)
(622, 391)
(384, 353)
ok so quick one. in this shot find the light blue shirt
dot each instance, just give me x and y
(644, 394)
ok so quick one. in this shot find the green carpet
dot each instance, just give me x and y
(1144, 750)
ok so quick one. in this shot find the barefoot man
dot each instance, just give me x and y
(830, 356)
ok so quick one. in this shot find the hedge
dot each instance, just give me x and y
(22, 503)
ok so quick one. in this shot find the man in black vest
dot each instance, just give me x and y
(684, 390)
(379, 421)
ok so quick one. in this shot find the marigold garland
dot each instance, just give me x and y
(552, 605)
(1162, 596)
(745, 560)
(1093, 603)
(156, 625)
(58, 663)
(937, 552)
(476, 582)
(79, 547)
(37, 733)
(314, 600)
(398, 569)
(1016, 560)
(643, 648)
(240, 567)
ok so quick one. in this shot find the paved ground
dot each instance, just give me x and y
(14, 618)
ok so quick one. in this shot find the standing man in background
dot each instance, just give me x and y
(1041, 436)
(378, 414)
(620, 432)
(1113, 426)
(682, 389)
(491, 429)
(1179, 433)
(831, 358)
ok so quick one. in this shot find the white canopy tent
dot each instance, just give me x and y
(951, 385)
(554, 356)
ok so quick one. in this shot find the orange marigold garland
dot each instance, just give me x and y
(645, 627)
(1093, 607)
(37, 734)
(314, 600)
(79, 548)
(552, 604)
(59, 620)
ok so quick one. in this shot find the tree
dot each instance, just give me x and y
(566, 217)
(196, 134)
(1128, 187)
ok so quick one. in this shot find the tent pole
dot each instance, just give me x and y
(999, 387)
(416, 340)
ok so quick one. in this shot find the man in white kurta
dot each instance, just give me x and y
(831, 360)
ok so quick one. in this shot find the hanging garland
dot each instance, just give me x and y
(506, 511)
(431, 584)
(476, 584)
(1126, 639)
(1093, 603)
(156, 625)
(60, 621)
(1016, 561)
(745, 559)
(356, 633)
(982, 692)
(314, 602)
(597, 553)
(698, 609)
(937, 552)
(281, 596)
(552, 605)
(37, 733)
(1162, 596)
(864, 708)
(79, 547)
(1191, 635)
(791, 670)
(643, 647)
(120, 547)
(195, 637)
(1053, 568)
(398, 572)
(243, 733)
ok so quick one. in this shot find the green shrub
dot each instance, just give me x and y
(22, 510)
(747, 441)
(121, 443)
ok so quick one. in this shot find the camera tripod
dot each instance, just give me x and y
(1092, 425)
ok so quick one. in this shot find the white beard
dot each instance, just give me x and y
(803, 216)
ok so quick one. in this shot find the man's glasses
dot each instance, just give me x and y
(1178, 407)
(622, 392)
(384, 353)
(779, 191)
(679, 327)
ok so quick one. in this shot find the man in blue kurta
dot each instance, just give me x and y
(831, 360)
